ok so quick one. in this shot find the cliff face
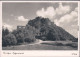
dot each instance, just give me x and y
(44, 29)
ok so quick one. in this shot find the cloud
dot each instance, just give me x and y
(69, 22)
(56, 22)
(67, 18)
(11, 15)
(76, 9)
(62, 9)
(21, 18)
(7, 26)
(50, 12)
(46, 13)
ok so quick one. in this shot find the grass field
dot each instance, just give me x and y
(45, 45)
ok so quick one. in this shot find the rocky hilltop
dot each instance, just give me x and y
(44, 29)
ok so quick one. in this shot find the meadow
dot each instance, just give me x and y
(45, 45)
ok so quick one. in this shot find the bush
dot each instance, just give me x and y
(20, 38)
(68, 44)
(30, 40)
(43, 38)
(74, 45)
(51, 36)
(59, 44)
(8, 40)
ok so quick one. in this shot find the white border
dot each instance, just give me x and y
(0, 26)
(40, 1)
(43, 53)
(79, 27)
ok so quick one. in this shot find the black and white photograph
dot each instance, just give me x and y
(40, 26)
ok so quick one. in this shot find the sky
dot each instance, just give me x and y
(63, 14)
(40, 0)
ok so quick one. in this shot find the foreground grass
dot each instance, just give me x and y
(45, 45)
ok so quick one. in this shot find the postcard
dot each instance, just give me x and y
(39, 28)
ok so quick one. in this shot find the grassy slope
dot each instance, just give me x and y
(50, 45)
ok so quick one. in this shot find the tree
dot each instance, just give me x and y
(9, 39)
(20, 37)
(5, 32)
(30, 40)
(51, 36)
(14, 32)
(29, 37)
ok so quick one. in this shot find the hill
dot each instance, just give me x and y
(44, 29)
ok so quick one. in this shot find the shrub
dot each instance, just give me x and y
(20, 38)
(59, 44)
(8, 40)
(68, 44)
(74, 45)
(51, 36)
(30, 40)
(43, 38)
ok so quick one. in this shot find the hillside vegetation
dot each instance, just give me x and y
(38, 28)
